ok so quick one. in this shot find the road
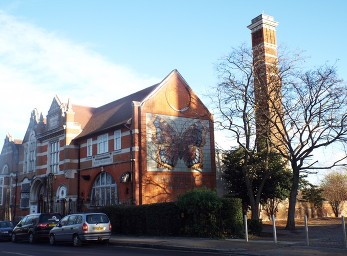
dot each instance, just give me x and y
(45, 249)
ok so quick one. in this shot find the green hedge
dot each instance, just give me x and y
(151, 219)
(231, 216)
(198, 213)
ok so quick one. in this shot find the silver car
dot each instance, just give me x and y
(81, 227)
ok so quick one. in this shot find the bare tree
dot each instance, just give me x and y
(235, 112)
(313, 115)
(306, 112)
(334, 186)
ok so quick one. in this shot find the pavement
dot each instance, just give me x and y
(254, 246)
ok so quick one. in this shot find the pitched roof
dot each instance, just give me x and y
(114, 113)
(82, 114)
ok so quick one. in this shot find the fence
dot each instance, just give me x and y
(318, 232)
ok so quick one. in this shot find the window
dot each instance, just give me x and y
(12, 189)
(102, 144)
(64, 221)
(5, 169)
(1, 189)
(26, 157)
(29, 161)
(89, 147)
(54, 157)
(104, 191)
(32, 154)
(117, 140)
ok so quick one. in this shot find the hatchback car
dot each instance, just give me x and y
(6, 228)
(81, 227)
(34, 227)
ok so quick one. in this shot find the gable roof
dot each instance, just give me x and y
(114, 113)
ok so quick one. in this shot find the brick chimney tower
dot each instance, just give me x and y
(267, 83)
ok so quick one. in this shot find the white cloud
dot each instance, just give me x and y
(36, 65)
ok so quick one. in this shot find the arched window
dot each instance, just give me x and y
(4, 169)
(104, 191)
(29, 164)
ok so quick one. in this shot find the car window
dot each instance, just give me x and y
(97, 218)
(22, 222)
(72, 220)
(64, 221)
(30, 220)
(79, 219)
(35, 220)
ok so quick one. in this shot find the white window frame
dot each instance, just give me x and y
(54, 156)
(90, 147)
(103, 143)
(117, 140)
(104, 191)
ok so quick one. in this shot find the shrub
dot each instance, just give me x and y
(231, 216)
(200, 211)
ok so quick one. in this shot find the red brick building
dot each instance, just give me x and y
(147, 147)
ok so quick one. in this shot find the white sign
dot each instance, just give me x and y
(33, 208)
(103, 159)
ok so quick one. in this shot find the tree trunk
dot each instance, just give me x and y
(252, 201)
(292, 200)
(335, 206)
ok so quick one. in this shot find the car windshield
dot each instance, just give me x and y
(97, 218)
(6, 224)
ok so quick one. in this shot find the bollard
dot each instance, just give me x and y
(246, 227)
(274, 228)
(306, 231)
(344, 231)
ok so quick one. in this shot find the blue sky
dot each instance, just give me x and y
(94, 52)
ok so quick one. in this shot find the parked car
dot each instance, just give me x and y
(6, 228)
(34, 227)
(81, 227)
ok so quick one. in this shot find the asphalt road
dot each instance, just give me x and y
(45, 249)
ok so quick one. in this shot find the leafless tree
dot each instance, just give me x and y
(234, 109)
(313, 115)
(308, 113)
(334, 187)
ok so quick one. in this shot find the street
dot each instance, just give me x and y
(44, 249)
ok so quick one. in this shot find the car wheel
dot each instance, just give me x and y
(13, 238)
(76, 241)
(51, 239)
(31, 238)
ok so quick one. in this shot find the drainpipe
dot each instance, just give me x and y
(15, 165)
(128, 125)
(79, 206)
(15, 198)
